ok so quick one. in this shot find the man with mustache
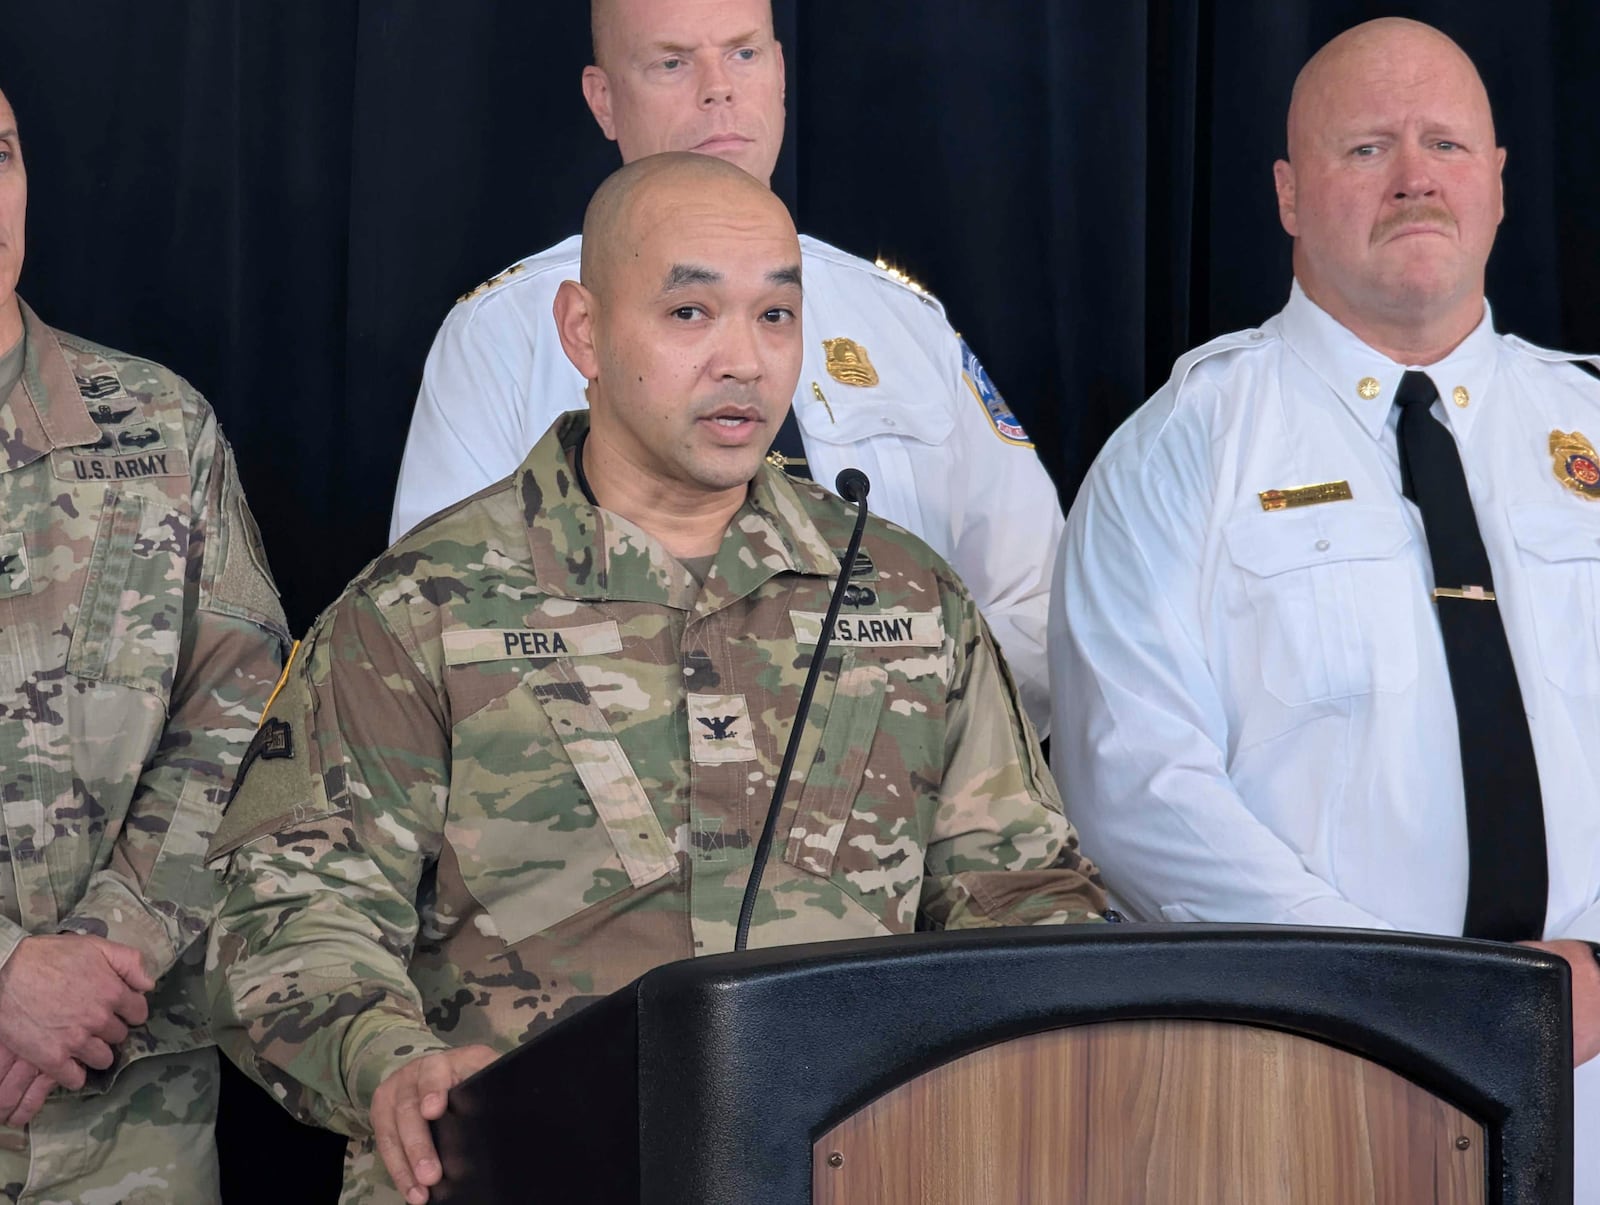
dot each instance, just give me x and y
(1326, 640)
(528, 753)
(886, 386)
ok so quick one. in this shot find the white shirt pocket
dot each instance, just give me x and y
(1331, 595)
(1560, 553)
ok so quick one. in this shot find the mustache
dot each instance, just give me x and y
(1435, 215)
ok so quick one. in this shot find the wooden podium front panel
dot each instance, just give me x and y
(1154, 1113)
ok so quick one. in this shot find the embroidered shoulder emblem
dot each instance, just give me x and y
(1575, 464)
(100, 385)
(1005, 423)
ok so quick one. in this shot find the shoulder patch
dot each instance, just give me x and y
(1005, 423)
(498, 278)
(273, 786)
(273, 741)
(15, 577)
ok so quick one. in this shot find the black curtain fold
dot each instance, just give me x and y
(281, 199)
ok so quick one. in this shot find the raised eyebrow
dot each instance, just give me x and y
(9, 134)
(683, 276)
(785, 276)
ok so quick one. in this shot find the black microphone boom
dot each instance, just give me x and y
(852, 485)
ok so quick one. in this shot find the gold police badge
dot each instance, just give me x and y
(1575, 464)
(849, 364)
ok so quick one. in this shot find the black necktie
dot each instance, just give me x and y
(788, 453)
(1508, 878)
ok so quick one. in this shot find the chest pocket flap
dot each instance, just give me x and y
(1275, 542)
(834, 779)
(1557, 533)
(914, 357)
(135, 556)
(589, 844)
(1560, 552)
(1323, 585)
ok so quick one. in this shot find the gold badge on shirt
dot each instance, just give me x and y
(1575, 464)
(849, 364)
(1305, 495)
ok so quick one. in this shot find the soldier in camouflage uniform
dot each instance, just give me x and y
(140, 635)
(524, 758)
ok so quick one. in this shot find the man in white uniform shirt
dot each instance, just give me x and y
(1264, 701)
(886, 385)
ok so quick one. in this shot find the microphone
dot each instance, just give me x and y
(852, 485)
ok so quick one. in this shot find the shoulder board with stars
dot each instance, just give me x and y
(902, 279)
(498, 278)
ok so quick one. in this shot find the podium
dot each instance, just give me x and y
(1102, 1065)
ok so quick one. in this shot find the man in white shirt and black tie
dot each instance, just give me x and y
(1325, 643)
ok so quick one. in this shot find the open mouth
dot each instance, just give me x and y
(734, 427)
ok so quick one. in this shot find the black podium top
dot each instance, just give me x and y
(706, 1082)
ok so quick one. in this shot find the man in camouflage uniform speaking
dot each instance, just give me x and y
(140, 636)
(524, 758)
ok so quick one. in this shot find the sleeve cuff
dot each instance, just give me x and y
(379, 1049)
(1585, 928)
(109, 910)
(11, 935)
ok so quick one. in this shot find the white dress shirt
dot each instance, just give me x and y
(946, 458)
(1254, 717)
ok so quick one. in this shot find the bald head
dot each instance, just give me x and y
(640, 198)
(1391, 190)
(1375, 54)
(602, 15)
(688, 75)
(687, 326)
(606, 18)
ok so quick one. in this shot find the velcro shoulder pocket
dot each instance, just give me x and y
(280, 780)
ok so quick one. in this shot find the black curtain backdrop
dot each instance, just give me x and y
(282, 198)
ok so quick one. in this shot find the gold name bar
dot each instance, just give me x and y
(1306, 495)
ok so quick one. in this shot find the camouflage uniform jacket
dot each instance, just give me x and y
(524, 759)
(140, 635)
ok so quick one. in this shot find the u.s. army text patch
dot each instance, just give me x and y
(923, 629)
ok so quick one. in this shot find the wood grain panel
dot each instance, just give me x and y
(1155, 1113)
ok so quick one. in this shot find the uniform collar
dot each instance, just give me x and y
(582, 551)
(1349, 367)
(45, 410)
